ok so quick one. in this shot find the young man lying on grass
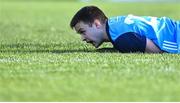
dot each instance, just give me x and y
(127, 33)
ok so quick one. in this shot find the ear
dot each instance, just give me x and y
(97, 23)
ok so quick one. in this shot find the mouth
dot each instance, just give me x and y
(91, 42)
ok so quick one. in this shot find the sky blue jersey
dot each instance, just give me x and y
(164, 32)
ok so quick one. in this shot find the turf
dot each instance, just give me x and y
(42, 59)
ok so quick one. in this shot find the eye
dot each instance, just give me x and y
(82, 32)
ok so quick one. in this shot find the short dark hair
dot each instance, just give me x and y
(87, 15)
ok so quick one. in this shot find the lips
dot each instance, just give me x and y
(91, 42)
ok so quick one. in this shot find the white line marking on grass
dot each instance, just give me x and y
(144, 60)
(167, 69)
(45, 60)
(11, 60)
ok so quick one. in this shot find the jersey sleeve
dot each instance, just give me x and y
(130, 42)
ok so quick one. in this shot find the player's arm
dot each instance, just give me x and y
(133, 42)
(151, 47)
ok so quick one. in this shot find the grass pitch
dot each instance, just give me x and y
(42, 59)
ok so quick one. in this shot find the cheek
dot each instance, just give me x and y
(88, 34)
(92, 35)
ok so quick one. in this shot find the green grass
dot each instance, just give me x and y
(42, 59)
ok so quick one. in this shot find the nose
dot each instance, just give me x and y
(83, 38)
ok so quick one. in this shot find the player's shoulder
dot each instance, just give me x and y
(115, 19)
(130, 42)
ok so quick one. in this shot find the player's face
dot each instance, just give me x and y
(90, 34)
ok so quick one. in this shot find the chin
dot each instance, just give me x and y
(97, 45)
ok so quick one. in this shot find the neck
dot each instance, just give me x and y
(105, 35)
